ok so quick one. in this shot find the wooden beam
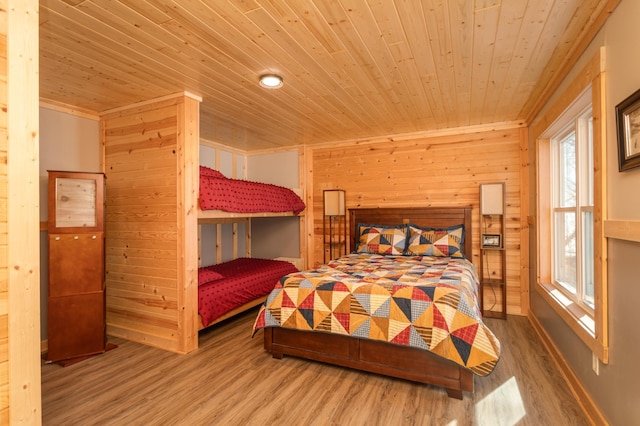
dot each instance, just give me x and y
(628, 230)
(22, 214)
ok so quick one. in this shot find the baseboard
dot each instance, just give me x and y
(589, 408)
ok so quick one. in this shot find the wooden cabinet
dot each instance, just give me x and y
(76, 300)
(493, 267)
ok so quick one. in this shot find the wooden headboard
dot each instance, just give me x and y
(436, 217)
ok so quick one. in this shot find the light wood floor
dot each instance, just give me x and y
(230, 380)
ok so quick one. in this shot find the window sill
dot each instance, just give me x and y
(579, 320)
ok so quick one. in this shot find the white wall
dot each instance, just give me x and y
(621, 38)
(275, 237)
(616, 390)
(208, 231)
(280, 168)
(69, 143)
(270, 237)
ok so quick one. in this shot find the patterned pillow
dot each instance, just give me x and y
(379, 239)
(436, 241)
(207, 275)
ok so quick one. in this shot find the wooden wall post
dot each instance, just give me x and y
(151, 166)
(20, 390)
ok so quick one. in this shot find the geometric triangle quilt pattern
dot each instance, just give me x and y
(426, 302)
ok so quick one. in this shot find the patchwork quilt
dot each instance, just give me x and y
(425, 302)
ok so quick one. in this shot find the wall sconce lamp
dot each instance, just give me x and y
(492, 205)
(491, 199)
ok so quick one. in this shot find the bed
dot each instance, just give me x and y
(225, 197)
(440, 340)
(228, 288)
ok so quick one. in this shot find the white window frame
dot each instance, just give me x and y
(580, 125)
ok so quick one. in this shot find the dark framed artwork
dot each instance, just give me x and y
(491, 240)
(628, 128)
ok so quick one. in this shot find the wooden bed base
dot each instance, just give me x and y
(374, 356)
(369, 355)
(250, 304)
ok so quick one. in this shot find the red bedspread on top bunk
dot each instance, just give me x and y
(242, 280)
(218, 192)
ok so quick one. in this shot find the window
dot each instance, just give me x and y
(571, 207)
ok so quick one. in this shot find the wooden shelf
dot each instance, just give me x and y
(493, 259)
(493, 282)
(219, 216)
(334, 224)
(628, 230)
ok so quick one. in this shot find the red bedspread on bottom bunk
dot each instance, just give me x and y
(242, 280)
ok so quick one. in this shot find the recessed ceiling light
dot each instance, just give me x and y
(271, 81)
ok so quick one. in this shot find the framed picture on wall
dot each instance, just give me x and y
(628, 128)
(491, 240)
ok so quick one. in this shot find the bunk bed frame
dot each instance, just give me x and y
(220, 217)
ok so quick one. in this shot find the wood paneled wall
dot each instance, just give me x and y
(4, 225)
(151, 165)
(426, 171)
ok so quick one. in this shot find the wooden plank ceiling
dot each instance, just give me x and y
(352, 69)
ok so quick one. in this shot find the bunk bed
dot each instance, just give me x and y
(404, 304)
(231, 287)
(222, 197)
